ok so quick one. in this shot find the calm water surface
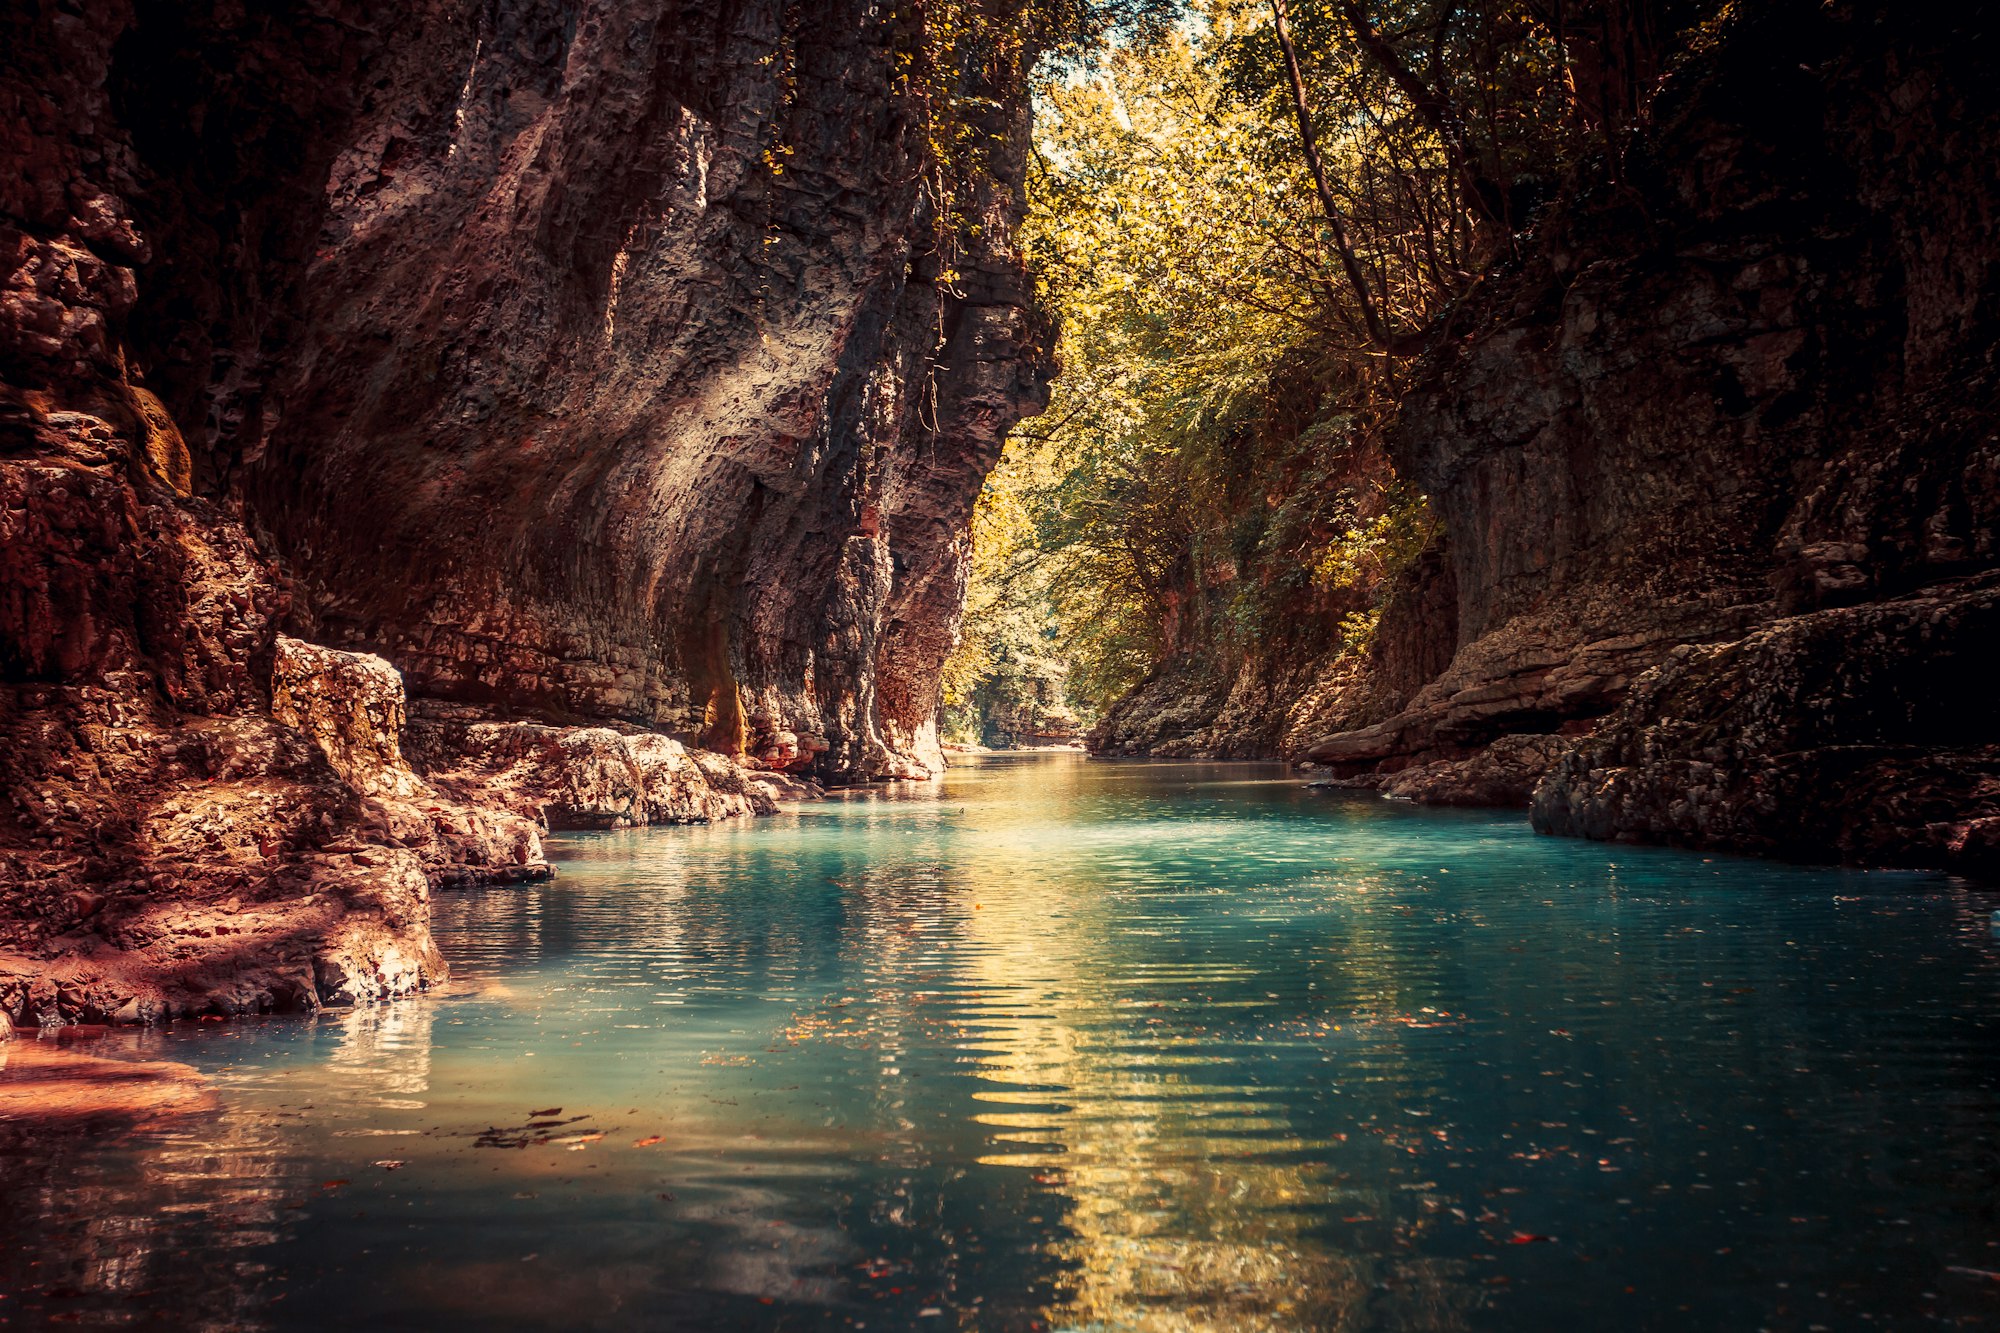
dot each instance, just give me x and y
(1066, 1045)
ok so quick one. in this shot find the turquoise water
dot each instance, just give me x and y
(1069, 1045)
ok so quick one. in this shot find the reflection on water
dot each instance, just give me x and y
(1066, 1045)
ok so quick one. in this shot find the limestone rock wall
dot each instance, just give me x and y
(645, 372)
(575, 362)
(1747, 400)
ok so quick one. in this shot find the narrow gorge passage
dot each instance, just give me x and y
(1063, 666)
(1075, 1045)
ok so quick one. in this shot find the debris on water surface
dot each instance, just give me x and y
(531, 1135)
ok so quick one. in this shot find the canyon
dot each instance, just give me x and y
(424, 428)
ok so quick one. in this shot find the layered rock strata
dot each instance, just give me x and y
(617, 374)
(1716, 461)
(1866, 733)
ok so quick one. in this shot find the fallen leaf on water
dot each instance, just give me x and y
(1973, 1272)
(648, 1141)
(1528, 1238)
(390, 1164)
(553, 1110)
(331, 1184)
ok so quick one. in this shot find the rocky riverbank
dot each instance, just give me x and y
(615, 379)
(1716, 479)
(287, 862)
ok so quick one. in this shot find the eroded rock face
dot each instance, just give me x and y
(162, 863)
(627, 386)
(610, 361)
(352, 706)
(588, 777)
(1719, 426)
(166, 845)
(1865, 732)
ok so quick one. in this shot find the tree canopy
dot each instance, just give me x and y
(1246, 221)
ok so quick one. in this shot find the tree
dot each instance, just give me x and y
(1244, 225)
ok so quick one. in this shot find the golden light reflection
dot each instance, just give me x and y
(1176, 1200)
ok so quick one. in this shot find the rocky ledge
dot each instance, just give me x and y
(1861, 733)
(620, 375)
(259, 863)
(1716, 463)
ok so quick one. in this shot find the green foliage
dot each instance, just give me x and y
(1209, 445)
(1210, 475)
(964, 53)
(1009, 666)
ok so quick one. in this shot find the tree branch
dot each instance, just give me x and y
(1378, 333)
(1434, 109)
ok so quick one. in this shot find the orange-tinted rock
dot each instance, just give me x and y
(601, 373)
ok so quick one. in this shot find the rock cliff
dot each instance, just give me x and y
(614, 376)
(1717, 467)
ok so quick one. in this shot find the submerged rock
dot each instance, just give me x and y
(63, 1087)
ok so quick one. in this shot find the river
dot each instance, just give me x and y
(1070, 1045)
